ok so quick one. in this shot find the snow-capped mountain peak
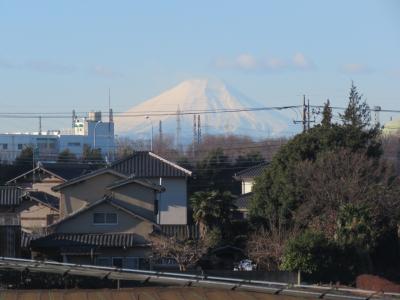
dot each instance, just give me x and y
(199, 95)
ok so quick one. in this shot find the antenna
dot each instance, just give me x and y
(73, 118)
(40, 125)
(178, 129)
(160, 136)
(198, 130)
(194, 135)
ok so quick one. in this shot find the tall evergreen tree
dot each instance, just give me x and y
(357, 113)
(327, 115)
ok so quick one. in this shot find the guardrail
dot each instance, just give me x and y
(277, 288)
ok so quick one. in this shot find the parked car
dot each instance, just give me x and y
(245, 265)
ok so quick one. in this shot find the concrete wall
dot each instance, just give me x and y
(172, 202)
(75, 196)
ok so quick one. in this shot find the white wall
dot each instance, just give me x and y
(247, 186)
(172, 202)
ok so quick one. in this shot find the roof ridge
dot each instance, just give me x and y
(170, 163)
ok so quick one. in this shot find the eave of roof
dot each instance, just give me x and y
(86, 177)
(48, 204)
(251, 172)
(147, 164)
(32, 171)
(171, 163)
(142, 182)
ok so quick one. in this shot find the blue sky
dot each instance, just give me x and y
(64, 55)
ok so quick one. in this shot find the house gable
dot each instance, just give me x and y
(79, 194)
(136, 197)
(126, 222)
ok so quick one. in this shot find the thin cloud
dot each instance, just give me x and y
(38, 66)
(355, 68)
(49, 67)
(301, 62)
(106, 72)
(7, 65)
(248, 62)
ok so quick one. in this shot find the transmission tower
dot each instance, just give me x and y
(178, 130)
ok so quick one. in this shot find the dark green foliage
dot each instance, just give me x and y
(92, 155)
(66, 156)
(331, 175)
(327, 115)
(276, 194)
(213, 209)
(309, 252)
(216, 171)
(25, 157)
(322, 260)
(357, 113)
(355, 226)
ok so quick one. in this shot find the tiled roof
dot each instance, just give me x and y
(88, 176)
(45, 198)
(10, 196)
(251, 172)
(180, 231)
(64, 171)
(70, 170)
(27, 237)
(87, 239)
(243, 201)
(148, 164)
(142, 181)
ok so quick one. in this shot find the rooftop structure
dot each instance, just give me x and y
(90, 131)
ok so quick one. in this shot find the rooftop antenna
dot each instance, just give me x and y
(40, 125)
(160, 136)
(73, 118)
(198, 130)
(178, 129)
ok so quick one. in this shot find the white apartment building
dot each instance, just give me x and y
(90, 131)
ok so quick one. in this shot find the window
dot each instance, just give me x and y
(117, 262)
(131, 263)
(103, 261)
(20, 146)
(73, 144)
(105, 218)
(5, 146)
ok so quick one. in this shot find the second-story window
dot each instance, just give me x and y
(105, 218)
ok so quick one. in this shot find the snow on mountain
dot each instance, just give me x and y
(203, 94)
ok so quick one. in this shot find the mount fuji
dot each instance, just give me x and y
(202, 95)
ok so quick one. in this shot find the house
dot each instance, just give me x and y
(112, 230)
(173, 203)
(10, 226)
(38, 205)
(47, 175)
(247, 178)
(37, 210)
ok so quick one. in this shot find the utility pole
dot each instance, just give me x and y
(306, 117)
(308, 114)
(304, 114)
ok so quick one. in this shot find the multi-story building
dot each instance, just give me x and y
(90, 131)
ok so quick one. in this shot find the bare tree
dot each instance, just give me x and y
(265, 246)
(186, 252)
